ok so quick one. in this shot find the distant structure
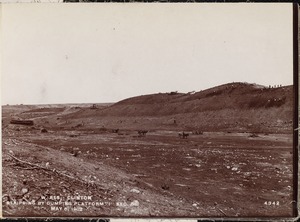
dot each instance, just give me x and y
(173, 93)
(94, 106)
(22, 122)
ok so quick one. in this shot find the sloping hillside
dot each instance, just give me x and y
(238, 96)
(233, 106)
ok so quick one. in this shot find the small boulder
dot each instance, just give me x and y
(135, 203)
(44, 130)
(134, 190)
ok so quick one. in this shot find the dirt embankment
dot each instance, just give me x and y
(34, 174)
(239, 107)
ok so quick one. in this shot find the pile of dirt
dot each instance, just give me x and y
(237, 96)
(232, 106)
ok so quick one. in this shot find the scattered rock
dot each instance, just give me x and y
(253, 135)
(165, 187)
(135, 203)
(44, 130)
(234, 168)
(24, 190)
(133, 190)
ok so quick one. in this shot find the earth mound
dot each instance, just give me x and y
(233, 106)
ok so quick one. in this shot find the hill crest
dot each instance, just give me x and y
(228, 96)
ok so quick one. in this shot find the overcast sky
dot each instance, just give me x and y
(77, 53)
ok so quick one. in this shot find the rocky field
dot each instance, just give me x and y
(95, 160)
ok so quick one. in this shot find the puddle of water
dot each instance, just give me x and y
(181, 185)
(140, 175)
(189, 157)
(186, 169)
(138, 155)
(264, 164)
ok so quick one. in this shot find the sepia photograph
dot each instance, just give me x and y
(148, 110)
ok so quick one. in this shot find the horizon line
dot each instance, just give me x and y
(86, 103)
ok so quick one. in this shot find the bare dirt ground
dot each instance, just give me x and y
(216, 174)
